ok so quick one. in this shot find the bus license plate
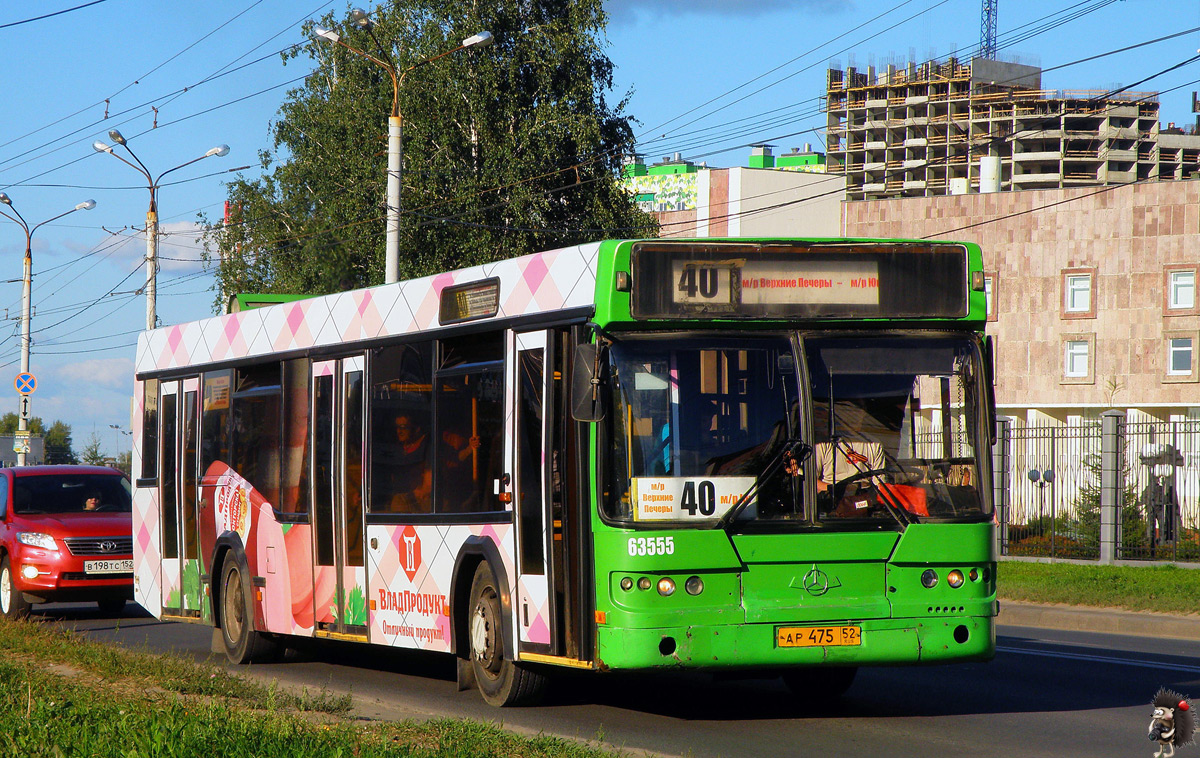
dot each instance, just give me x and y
(818, 636)
(123, 566)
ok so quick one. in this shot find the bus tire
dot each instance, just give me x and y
(820, 685)
(12, 603)
(242, 643)
(501, 682)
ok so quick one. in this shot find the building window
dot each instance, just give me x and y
(1079, 358)
(1075, 365)
(1179, 356)
(1079, 293)
(1181, 290)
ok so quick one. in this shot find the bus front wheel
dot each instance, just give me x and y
(242, 643)
(820, 685)
(501, 681)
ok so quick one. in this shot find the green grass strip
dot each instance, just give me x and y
(1165, 589)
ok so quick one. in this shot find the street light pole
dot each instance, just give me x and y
(26, 299)
(151, 214)
(395, 153)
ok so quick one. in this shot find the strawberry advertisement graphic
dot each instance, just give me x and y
(231, 504)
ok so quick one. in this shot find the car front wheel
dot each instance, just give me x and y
(12, 603)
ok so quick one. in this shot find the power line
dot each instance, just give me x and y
(52, 15)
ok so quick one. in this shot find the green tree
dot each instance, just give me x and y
(10, 421)
(508, 150)
(92, 454)
(58, 444)
(124, 462)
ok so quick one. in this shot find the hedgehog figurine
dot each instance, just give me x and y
(1171, 724)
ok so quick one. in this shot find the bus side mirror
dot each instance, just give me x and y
(586, 404)
(989, 368)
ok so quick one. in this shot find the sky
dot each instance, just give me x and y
(704, 78)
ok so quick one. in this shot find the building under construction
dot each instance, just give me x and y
(952, 128)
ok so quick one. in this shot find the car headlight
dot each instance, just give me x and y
(37, 539)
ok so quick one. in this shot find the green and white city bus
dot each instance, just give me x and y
(755, 455)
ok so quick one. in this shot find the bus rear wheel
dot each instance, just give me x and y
(12, 602)
(501, 682)
(242, 643)
(820, 685)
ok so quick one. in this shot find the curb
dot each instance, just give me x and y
(1078, 619)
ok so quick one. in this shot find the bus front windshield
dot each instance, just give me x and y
(896, 427)
(694, 423)
(700, 427)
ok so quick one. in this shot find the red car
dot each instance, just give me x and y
(65, 535)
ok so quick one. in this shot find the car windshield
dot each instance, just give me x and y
(70, 493)
(902, 440)
(695, 422)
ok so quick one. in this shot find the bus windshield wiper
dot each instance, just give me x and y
(790, 458)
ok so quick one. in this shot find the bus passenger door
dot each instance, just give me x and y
(179, 438)
(547, 579)
(339, 575)
(168, 498)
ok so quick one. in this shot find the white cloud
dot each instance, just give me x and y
(109, 373)
(624, 10)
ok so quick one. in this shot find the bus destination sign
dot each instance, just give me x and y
(830, 282)
(717, 280)
(467, 302)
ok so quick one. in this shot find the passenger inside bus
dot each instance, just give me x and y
(458, 457)
(406, 462)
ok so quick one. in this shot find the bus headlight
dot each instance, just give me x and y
(694, 585)
(644, 583)
(955, 579)
(626, 584)
(929, 579)
(666, 586)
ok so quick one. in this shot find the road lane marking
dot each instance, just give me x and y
(1101, 659)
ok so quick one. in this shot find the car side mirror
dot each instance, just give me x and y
(586, 402)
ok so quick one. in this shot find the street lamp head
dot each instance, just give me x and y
(101, 147)
(86, 205)
(116, 136)
(220, 151)
(360, 19)
(326, 34)
(483, 39)
(5, 199)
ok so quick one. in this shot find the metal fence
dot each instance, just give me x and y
(1051, 501)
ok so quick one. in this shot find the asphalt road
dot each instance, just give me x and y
(1047, 693)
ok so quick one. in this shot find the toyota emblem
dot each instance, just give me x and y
(108, 546)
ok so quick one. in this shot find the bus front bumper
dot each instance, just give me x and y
(755, 646)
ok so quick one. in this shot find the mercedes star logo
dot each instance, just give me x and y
(816, 582)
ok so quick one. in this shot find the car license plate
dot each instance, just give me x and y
(123, 566)
(818, 636)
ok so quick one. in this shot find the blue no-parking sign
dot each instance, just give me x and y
(25, 383)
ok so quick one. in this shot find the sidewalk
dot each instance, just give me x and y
(1081, 619)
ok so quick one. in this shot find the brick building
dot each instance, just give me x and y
(1092, 291)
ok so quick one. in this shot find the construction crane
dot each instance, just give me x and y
(987, 30)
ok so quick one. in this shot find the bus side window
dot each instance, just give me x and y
(257, 428)
(401, 405)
